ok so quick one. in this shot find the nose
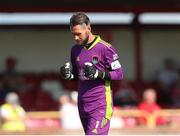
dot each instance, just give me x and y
(76, 37)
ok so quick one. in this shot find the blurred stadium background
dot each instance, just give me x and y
(35, 38)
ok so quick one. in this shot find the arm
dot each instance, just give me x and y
(74, 66)
(113, 66)
(113, 70)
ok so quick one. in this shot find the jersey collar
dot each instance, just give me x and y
(94, 43)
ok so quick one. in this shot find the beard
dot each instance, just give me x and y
(85, 40)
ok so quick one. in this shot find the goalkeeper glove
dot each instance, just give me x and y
(92, 73)
(65, 71)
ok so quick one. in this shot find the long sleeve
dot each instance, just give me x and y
(112, 63)
(74, 67)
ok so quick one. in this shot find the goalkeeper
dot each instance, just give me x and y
(94, 64)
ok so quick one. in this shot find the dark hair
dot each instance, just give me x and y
(79, 18)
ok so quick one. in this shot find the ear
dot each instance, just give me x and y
(89, 28)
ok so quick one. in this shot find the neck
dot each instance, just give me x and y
(91, 38)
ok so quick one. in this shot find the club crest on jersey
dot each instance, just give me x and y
(95, 60)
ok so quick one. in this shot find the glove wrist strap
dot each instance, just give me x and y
(104, 75)
(96, 74)
(70, 77)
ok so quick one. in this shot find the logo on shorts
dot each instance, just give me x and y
(78, 58)
(95, 60)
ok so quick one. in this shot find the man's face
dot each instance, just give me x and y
(150, 97)
(80, 32)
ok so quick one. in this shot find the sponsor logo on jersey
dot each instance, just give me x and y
(115, 57)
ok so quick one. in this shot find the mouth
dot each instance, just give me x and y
(79, 42)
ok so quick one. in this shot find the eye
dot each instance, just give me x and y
(78, 34)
